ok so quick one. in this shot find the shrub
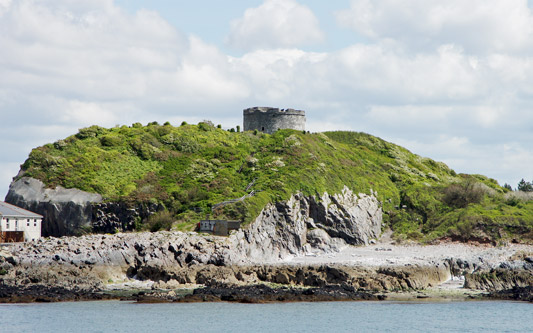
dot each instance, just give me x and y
(60, 144)
(462, 194)
(110, 141)
(516, 197)
(206, 125)
(186, 145)
(159, 221)
(90, 132)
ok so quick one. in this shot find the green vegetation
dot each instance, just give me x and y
(188, 169)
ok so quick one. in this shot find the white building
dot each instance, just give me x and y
(17, 224)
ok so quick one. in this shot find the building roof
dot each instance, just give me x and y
(9, 210)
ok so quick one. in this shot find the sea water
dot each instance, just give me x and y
(329, 317)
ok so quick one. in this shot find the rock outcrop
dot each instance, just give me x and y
(175, 258)
(65, 211)
(506, 276)
(303, 225)
(299, 225)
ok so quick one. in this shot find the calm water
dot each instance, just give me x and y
(115, 316)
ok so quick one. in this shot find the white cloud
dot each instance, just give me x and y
(476, 25)
(275, 24)
(69, 64)
(4, 5)
(507, 163)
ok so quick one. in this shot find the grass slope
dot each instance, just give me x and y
(190, 168)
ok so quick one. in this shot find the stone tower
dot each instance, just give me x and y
(269, 120)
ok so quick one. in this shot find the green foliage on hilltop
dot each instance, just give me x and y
(190, 168)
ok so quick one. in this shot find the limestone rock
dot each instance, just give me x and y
(65, 211)
(327, 224)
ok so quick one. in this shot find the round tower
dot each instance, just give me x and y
(269, 120)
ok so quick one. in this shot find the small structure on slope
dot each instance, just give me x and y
(218, 227)
(269, 120)
(18, 225)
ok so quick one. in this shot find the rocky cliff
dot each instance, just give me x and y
(285, 228)
(65, 211)
(303, 225)
(70, 212)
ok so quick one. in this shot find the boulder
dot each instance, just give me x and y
(65, 211)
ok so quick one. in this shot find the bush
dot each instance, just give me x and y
(206, 125)
(462, 194)
(186, 145)
(159, 221)
(90, 132)
(110, 141)
(516, 197)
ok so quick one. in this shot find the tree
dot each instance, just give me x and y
(238, 128)
(507, 186)
(525, 186)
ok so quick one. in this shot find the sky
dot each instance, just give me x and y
(450, 80)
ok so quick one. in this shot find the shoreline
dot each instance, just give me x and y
(160, 268)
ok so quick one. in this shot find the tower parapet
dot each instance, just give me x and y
(269, 120)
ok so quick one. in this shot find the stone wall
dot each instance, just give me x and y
(269, 120)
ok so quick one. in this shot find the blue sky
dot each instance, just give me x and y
(450, 80)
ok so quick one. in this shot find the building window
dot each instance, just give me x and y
(34, 220)
(7, 224)
(34, 224)
(28, 223)
(28, 220)
(16, 225)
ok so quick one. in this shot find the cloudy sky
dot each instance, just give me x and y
(451, 80)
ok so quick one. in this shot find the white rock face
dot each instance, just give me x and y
(64, 210)
(299, 226)
(304, 225)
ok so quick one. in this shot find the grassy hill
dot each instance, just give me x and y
(190, 168)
